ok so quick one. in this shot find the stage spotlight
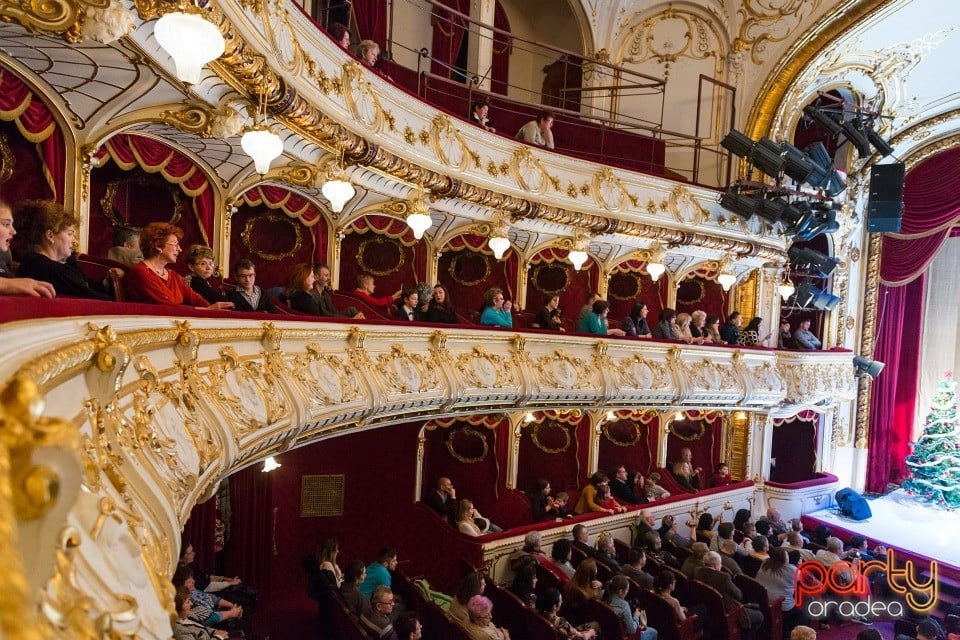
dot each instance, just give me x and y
(807, 294)
(825, 176)
(737, 143)
(797, 164)
(818, 218)
(811, 260)
(882, 146)
(768, 157)
(856, 132)
(824, 120)
(866, 366)
(742, 205)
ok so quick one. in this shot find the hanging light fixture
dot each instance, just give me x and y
(418, 218)
(578, 252)
(259, 141)
(727, 277)
(337, 189)
(529, 417)
(785, 288)
(499, 240)
(190, 39)
(270, 464)
(655, 262)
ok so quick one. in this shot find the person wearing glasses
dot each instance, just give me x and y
(151, 281)
(376, 620)
(247, 296)
(481, 627)
(201, 264)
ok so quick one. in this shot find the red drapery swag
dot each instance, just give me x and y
(130, 151)
(502, 47)
(931, 209)
(371, 18)
(295, 206)
(35, 121)
(449, 31)
(252, 546)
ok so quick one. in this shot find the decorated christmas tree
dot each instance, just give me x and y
(934, 465)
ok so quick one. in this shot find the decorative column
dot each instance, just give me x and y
(516, 420)
(229, 211)
(672, 284)
(522, 273)
(433, 265)
(421, 454)
(480, 42)
(603, 283)
(593, 447)
(663, 432)
(76, 189)
(334, 241)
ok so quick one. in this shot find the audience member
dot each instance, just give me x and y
(665, 329)
(152, 281)
(440, 308)
(653, 546)
(804, 338)
(785, 338)
(443, 500)
(777, 526)
(126, 246)
(579, 541)
(561, 502)
(548, 604)
(481, 627)
(682, 329)
(607, 551)
(695, 560)
(369, 52)
(206, 608)
(10, 286)
(622, 486)
(365, 288)
(48, 233)
(645, 524)
(525, 583)
(751, 336)
(472, 584)
(539, 131)
(633, 569)
(741, 517)
(376, 619)
(596, 321)
(545, 318)
(320, 292)
(378, 573)
(560, 555)
(247, 296)
(224, 586)
(803, 633)
(711, 573)
(7, 231)
(185, 628)
(686, 475)
(496, 312)
(778, 576)
(698, 327)
(587, 308)
(663, 586)
(761, 547)
(606, 500)
(479, 111)
(668, 532)
(705, 525)
(424, 296)
(409, 308)
(531, 551)
(297, 289)
(340, 34)
(712, 329)
(408, 626)
(653, 488)
(635, 324)
(353, 577)
(584, 584)
(588, 495)
(541, 502)
(466, 519)
(730, 331)
(631, 618)
(721, 476)
(201, 265)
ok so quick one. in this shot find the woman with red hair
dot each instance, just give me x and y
(151, 280)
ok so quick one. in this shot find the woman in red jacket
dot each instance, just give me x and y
(152, 281)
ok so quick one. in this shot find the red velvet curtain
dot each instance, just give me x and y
(931, 209)
(27, 181)
(631, 440)
(699, 292)
(384, 247)
(502, 48)
(701, 434)
(200, 531)
(794, 447)
(252, 547)
(550, 271)
(630, 283)
(35, 121)
(371, 18)
(466, 451)
(449, 31)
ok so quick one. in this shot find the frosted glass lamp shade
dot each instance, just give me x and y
(726, 280)
(419, 223)
(263, 145)
(499, 246)
(656, 269)
(338, 192)
(191, 41)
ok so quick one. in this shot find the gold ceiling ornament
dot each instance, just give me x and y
(300, 174)
(447, 143)
(192, 118)
(528, 171)
(485, 370)
(672, 34)
(685, 207)
(765, 23)
(7, 159)
(56, 16)
(638, 372)
(283, 39)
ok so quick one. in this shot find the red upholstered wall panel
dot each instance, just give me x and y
(272, 234)
(468, 274)
(549, 449)
(379, 465)
(395, 265)
(560, 276)
(629, 287)
(700, 293)
(27, 181)
(475, 474)
(794, 449)
(140, 198)
(640, 452)
(705, 448)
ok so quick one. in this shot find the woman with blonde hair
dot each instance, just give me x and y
(698, 329)
(465, 515)
(682, 328)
